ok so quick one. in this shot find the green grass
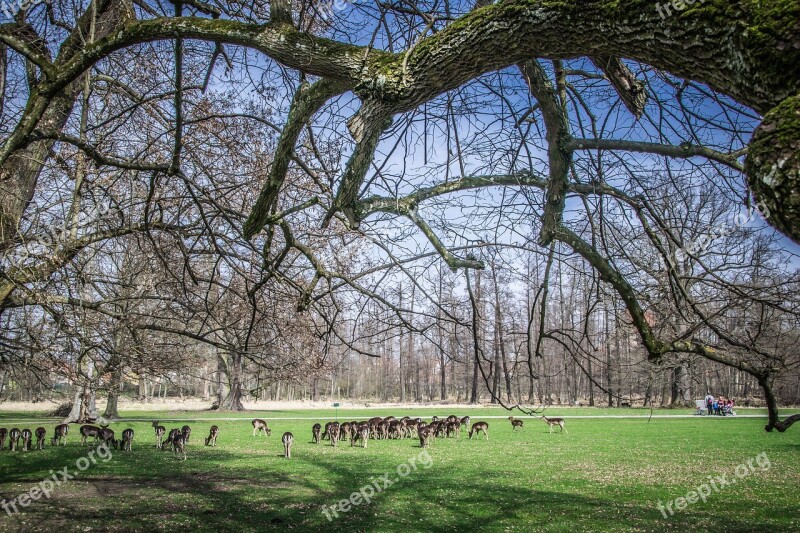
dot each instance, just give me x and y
(604, 474)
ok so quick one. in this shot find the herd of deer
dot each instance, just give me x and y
(356, 432)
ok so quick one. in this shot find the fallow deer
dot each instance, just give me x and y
(453, 429)
(211, 440)
(361, 432)
(60, 435)
(327, 432)
(89, 431)
(333, 432)
(315, 433)
(160, 430)
(260, 426)
(3, 435)
(424, 433)
(173, 436)
(554, 422)
(26, 440)
(383, 430)
(345, 430)
(452, 418)
(13, 437)
(178, 443)
(40, 434)
(465, 422)
(477, 427)
(186, 431)
(287, 441)
(106, 436)
(127, 440)
(515, 424)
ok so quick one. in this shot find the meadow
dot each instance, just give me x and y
(602, 474)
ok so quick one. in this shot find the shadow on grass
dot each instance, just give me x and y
(147, 491)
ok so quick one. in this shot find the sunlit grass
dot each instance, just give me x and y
(602, 474)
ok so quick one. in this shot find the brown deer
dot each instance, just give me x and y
(477, 427)
(287, 441)
(327, 432)
(333, 432)
(260, 426)
(424, 433)
(89, 431)
(106, 436)
(127, 440)
(453, 429)
(3, 435)
(178, 443)
(361, 432)
(40, 434)
(211, 440)
(13, 437)
(516, 424)
(452, 418)
(172, 437)
(465, 422)
(345, 430)
(60, 435)
(26, 440)
(554, 422)
(383, 430)
(160, 430)
(315, 433)
(186, 431)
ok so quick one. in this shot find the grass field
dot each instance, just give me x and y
(603, 474)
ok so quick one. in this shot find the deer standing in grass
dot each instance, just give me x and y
(126, 444)
(26, 440)
(13, 437)
(160, 430)
(60, 435)
(178, 442)
(477, 427)
(287, 441)
(211, 440)
(516, 424)
(333, 433)
(554, 422)
(3, 435)
(89, 431)
(260, 426)
(40, 434)
(315, 432)
(186, 431)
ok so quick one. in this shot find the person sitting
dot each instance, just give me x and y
(715, 407)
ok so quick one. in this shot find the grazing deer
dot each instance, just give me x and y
(333, 432)
(13, 437)
(89, 431)
(287, 441)
(211, 440)
(60, 435)
(516, 424)
(178, 443)
(453, 429)
(26, 440)
(361, 432)
(452, 418)
(186, 431)
(40, 434)
(554, 422)
(424, 433)
(172, 437)
(3, 435)
(106, 436)
(315, 433)
(260, 426)
(127, 440)
(477, 427)
(160, 430)
(345, 430)
(465, 422)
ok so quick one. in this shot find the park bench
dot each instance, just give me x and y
(700, 407)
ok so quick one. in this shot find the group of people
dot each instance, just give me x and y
(718, 406)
